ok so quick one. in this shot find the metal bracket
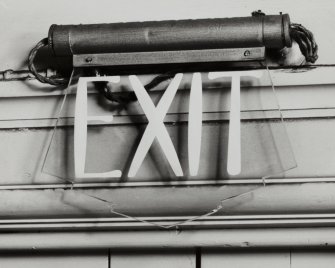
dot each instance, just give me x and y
(170, 57)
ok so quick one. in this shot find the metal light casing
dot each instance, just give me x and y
(269, 31)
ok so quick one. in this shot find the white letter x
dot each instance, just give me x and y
(155, 126)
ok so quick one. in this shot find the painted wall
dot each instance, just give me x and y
(28, 111)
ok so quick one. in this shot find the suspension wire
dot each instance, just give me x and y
(58, 118)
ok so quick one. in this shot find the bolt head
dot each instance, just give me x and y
(247, 53)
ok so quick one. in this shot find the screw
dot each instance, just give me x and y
(88, 59)
(247, 53)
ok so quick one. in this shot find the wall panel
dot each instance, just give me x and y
(245, 259)
(68, 259)
(27, 113)
(152, 259)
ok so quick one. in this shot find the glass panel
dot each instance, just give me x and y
(243, 149)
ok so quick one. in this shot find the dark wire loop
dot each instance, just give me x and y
(55, 81)
(305, 40)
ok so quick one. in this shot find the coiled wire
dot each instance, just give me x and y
(305, 40)
(55, 81)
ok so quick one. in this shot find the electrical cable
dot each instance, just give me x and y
(305, 40)
(126, 97)
(54, 80)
